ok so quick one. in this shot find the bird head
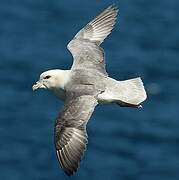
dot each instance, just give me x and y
(51, 79)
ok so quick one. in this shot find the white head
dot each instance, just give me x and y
(52, 79)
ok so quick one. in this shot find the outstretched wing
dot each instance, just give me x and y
(85, 46)
(100, 27)
(70, 131)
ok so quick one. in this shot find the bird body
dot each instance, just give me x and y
(109, 90)
(84, 86)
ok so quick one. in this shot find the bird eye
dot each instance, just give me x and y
(47, 77)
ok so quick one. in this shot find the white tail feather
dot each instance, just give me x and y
(132, 91)
(125, 93)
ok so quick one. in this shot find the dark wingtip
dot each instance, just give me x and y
(114, 7)
(68, 171)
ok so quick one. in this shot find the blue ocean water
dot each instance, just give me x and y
(124, 144)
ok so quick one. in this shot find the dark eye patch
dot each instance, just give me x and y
(47, 77)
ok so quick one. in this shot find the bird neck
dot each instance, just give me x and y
(64, 78)
(61, 81)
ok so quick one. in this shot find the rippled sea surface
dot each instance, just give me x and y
(124, 144)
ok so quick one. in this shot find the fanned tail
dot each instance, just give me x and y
(132, 93)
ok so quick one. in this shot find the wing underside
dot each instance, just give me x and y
(85, 46)
(100, 27)
(70, 131)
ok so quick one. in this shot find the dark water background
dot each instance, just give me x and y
(124, 144)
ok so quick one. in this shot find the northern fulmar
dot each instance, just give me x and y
(84, 86)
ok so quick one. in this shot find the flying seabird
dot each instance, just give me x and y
(84, 86)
